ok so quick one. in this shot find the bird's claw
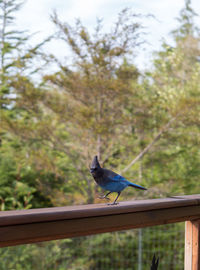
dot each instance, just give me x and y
(114, 203)
(104, 197)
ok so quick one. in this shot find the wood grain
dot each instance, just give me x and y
(35, 225)
(192, 245)
(80, 211)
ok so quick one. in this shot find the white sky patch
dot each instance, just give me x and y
(35, 17)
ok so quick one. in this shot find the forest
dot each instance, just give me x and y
(142, 124)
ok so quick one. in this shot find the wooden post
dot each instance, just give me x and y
(192, 245)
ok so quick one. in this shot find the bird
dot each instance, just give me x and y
(109, 180)
(154, 264)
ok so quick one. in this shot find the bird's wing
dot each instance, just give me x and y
(113, 176)
(113, 181)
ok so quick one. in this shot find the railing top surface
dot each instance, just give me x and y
(36, 225)
(93, 210)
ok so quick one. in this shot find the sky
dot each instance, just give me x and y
(34, 16)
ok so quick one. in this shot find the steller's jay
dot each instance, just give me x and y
(110, 180)
(154, 264)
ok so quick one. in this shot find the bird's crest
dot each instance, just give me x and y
(95, 163)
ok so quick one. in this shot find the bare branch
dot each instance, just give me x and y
(148, 147)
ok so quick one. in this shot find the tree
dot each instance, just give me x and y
(16, 55)
(174, 82)
(16, 109)
(90, 101)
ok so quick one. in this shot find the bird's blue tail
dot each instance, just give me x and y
(137, 186)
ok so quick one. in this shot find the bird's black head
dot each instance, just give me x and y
(95, 166)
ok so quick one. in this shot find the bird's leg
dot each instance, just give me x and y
(105, 196)
(116, 199)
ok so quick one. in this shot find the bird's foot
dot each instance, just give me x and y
(114, 203)
(104, 197)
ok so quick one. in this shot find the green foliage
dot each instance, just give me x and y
(104, 251)
(84, 110)
(100, 105)
(50, 130)
(17, 56)
(187, 26)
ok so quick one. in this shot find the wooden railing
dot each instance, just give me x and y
(35, 225)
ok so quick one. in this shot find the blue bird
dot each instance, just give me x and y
(110, 180)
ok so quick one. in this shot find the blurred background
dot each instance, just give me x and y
(117, 80)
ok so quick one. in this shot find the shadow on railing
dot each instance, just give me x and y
(36, 225)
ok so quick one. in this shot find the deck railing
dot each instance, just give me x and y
(36, 225)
